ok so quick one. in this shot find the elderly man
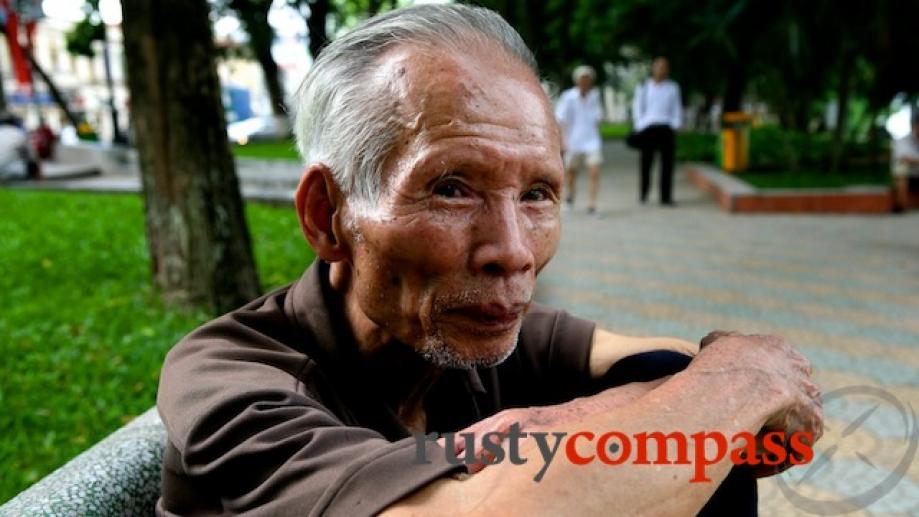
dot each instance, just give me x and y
(431, 198)
(579, 113)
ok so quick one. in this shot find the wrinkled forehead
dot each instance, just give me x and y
(434, 86)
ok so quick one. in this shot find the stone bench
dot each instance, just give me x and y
(119, 476)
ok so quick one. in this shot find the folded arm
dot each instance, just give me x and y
(735, 384)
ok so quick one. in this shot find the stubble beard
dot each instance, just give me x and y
(437, 351)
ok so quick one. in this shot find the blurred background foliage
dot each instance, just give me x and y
(796, 57)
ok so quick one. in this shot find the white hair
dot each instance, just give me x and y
(583, 70)
(345, 123)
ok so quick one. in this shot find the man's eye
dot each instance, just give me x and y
(449, 190)
(536, 194)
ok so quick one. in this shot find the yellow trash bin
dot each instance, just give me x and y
(735, 141)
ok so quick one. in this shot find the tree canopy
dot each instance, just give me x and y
(784, 52)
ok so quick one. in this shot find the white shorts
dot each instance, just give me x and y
(575, 160)
(901, 170)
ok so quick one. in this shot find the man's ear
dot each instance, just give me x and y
(317, 199)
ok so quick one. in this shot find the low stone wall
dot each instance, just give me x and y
(738, 196)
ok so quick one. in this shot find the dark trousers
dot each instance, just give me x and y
(658, 138)
(737, 495)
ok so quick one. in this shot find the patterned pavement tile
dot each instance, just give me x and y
(844, 289)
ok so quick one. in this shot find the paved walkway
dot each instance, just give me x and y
(270, 181)
(844, 289)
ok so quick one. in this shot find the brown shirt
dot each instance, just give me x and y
(270, 410)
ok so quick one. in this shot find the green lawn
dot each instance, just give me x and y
(611, 131)
(82, 332)
(813, 179)
(268, 150)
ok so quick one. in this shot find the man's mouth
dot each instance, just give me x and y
(492, 318)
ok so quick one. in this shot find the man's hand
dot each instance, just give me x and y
(782, 370)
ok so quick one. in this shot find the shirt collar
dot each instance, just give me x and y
(317, 311)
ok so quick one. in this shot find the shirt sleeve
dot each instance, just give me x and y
(598, 107)
(230, 401)
(676, 121)
(636, 108)
(561, 111)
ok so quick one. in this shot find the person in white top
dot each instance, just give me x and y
(14, 150)
(579, 113)
(657, 112)
(905, 164)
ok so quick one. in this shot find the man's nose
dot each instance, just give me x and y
(503, 244)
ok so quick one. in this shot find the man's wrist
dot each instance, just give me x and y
(749, 393)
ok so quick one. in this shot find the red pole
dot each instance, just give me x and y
(20, 64)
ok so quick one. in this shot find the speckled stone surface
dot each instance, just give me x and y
(844, 289)
(119, 476)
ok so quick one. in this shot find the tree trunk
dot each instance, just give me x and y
(2, 93)
(802, 118)
(196, 228)
(734, 90)
(878, 158)
(559, 60)
(702, 122)
(254, 17)
(837, 150)
(524, 22)
(316, 24)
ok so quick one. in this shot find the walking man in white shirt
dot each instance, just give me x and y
(579, 114)
(657, 111)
